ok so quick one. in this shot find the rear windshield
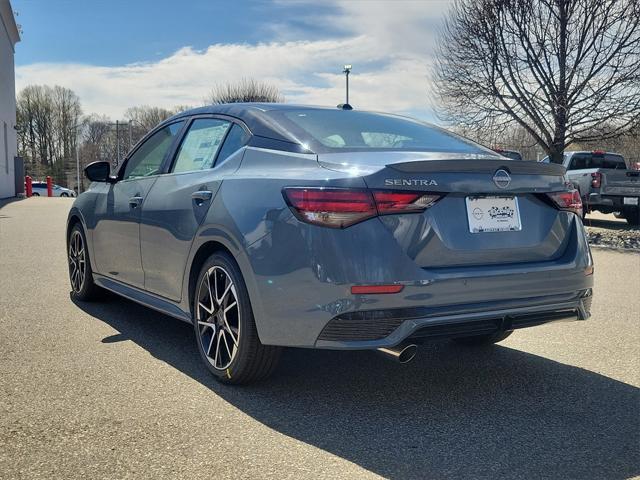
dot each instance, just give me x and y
(597, 160)
(510, 154)
(340, 130)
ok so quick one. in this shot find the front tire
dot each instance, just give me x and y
(80, 274)
(64, 194)
(225, 329)
(479, 340)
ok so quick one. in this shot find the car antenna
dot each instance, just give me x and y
(345, 106)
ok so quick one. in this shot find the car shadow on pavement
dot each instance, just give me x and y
(452, 413)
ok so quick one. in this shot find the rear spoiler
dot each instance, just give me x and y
(480, 166)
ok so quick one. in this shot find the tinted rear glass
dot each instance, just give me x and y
(511, 154)
(590, 160)
(339, 130)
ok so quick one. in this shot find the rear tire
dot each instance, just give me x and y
(632, 215)
(225, 328)
(35, 194)
(479, 340)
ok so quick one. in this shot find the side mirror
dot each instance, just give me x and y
(98, 172)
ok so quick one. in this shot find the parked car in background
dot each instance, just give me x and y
(40, 190)
(512, 154)
(606, 182)
(275, 225)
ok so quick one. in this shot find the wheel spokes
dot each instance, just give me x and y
(77, 261)
(218, 317)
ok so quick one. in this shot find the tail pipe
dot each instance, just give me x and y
(402, 353)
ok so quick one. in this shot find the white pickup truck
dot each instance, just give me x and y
(606, 182)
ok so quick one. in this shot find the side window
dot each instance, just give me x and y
(147, 160)
(200, 145)
(236, 139)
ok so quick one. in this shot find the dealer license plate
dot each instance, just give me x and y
(493, 214)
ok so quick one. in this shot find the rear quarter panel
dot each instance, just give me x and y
(249, 214)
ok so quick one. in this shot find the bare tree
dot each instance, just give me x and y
(143, 118)
(247, 90)
(147, 117)
(558, 68)
(47, 119)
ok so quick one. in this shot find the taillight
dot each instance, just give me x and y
(402, 202)
(569, 201)
(342, 207)
(596, 179)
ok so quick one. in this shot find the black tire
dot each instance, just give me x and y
(85, 290)
(34, 194)
(632, 215)
(64, 194)
(249, 361)
(479, 340)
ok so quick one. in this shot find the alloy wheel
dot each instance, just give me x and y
(218, 317)
(77, 261)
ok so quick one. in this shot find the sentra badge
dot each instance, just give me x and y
(409, 182)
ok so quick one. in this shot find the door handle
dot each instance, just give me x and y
(135, 201)
(201, 196)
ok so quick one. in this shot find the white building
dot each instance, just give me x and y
(9, 36)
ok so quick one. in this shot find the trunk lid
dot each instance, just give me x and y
(441, 236)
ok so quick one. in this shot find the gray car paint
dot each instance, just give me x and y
(299, 276)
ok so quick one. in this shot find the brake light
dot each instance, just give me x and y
(402, 202)
(342, 207)
(596, 179)
(569, 201)
(598, 152)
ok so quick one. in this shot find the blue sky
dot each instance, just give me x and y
(119, 53)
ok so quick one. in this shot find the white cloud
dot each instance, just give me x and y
(388, 44)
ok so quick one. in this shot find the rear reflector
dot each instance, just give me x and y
(343, 207)
(569, 201)
(596, 179)
(375, 289)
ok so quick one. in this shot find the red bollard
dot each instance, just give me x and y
(49, 187)
(28, 185)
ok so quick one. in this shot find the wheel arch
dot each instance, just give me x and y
(204, 251)
(74, 219)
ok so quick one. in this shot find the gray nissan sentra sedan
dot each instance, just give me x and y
(269, 225)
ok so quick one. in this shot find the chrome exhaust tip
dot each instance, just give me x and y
(402, 353)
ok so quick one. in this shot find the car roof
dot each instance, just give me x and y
(255, 115)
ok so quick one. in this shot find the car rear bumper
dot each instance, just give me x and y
(297, 305)
(613, 201)
(387, 328)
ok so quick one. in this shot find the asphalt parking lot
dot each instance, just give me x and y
(114, 390)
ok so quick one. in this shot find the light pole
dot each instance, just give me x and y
(347, 71)
(76, 129)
